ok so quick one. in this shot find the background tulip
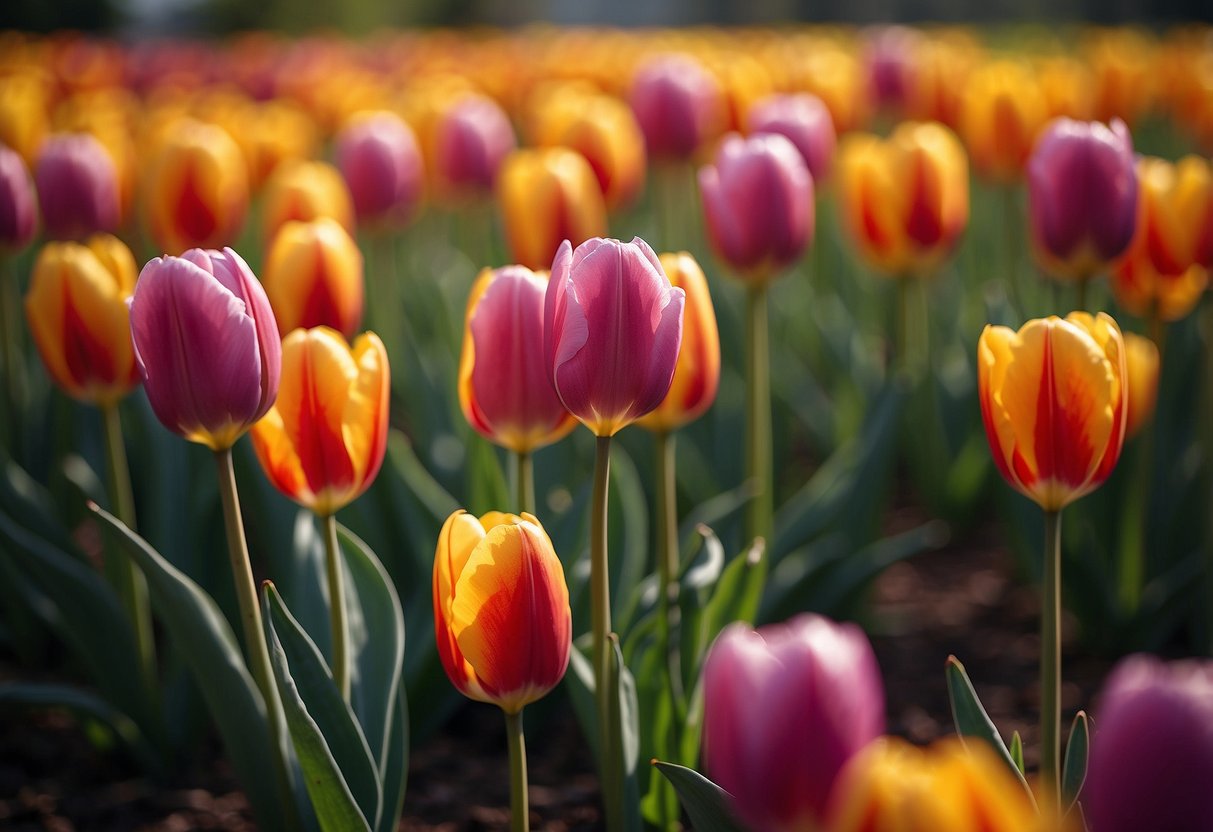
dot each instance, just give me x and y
(758, 204)
(18, 205)
(1152, 753)
(77, 313)
(1175, 213)
(207, 345)
(77, 187)
(1146, 293)
(1141, 368)
(785, 707)
(501, 609)
(313, 277)
(612, 329)
(803, 119)
(678, 104)
(548, 195)
(381, 162)
(306, 191)
(473, 137)
(1002, 111)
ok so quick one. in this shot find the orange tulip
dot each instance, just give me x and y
(501, 608)
(1122, 67)
(323, 441)
(697, 374)
(1054, 403)
(77, 313)
(1142, 367)
(313, 277)
(1002, 111)
(905, 199)
(277, 132)
(546, 196)
(1146, 293)
(306, 191)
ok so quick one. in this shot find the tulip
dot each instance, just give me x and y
(547, 195)
(77, 313)
(758, 204)
(25, 110)
(1067, 86)
(1002, 111)
(889, 54)
(745, 81)
(1141, 368)
(1082, 196)
(18, 204)
(473, 137)
(313, 277)
(784, 708)
(206, 344)
(197, 194)
(381, 162)
(803, 119)
(678, 104)
(1175, 213)
(77, 187)
(1147, 294)
(941, 67)
(306, 191)
(1152, 753)
(276, 133)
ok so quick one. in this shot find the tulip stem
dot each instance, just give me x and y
(1135, 523)
(520, 813)
(523, 474)
(668, 563)
(123, 574)
(605, 693)
(1082, 294)
(338, 620)
(1050, 661)
(10, 342)
(761, 515)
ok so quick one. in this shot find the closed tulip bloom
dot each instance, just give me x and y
(697, 375)
(1152, 752)
(905, 199)
(612, 326)
(197, 190)
(548, 195)
(889, 54)
(1082, 196)
(473, 137)
(1175, 213)
(206, 344)
(77, 187)
(1139, 288)
(1054, 404)
(679, 105)
(758, 204)
(603, 130)
(381, 162)
(784, 708)
(18, 205)
(77, 312)
(504, 388)
(1141, 367)
(803, 119)
(306, 191)
(322, 443)
(313, 277)
(501, 609)
(1002, 111)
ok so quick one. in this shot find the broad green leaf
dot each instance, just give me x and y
(970, 716)
(1074, 770)
(706, 804)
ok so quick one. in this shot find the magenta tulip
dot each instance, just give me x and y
(889, 52)
(1082, 195)
(758, 202)
(1151, 763)
(805, 120)
(612, 331)
(206, 343)
(678, 104)
(381, 162)
(18, 206)
(785, 707)
(77, 187)
(473, 138)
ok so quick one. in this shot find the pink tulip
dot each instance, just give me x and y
(206, 343)
(612, 331)
(785, 707)
(381, 162)
(473, 138)
(77, 187)
(803, 119)
(18, 207)
(889, 55)
(678, 104)
(1151, 763)
(758, 202)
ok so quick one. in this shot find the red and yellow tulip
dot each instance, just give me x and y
(313, 277)
(1142, 368)
(1002, 111)
(306, 191)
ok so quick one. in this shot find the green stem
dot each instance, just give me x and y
(124, 575)
(522, 472)
(1082, 294)
(1050, 661)
(338, 620)
(761, 513)
(902, 348)
(520, 813)
(1131, 566)
(669, 181)
(385, 314)
(668, 562)
(10, 343)
(1012, 242)
(600, 623)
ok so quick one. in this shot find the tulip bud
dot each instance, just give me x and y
(1152, 753)
(501, 609)
(77, 313)
(547, 195)
(1002, 111)
(504, 388)
(1082, 196)
(679, 106)
(206, 344)
(1054, 404)
(803, 119)
(18, 206)
(758, 204)
(889, 54)
(1141, 368)
(784, 708)
(612, 326)
(306, 191)
(322, 443)
(473, 137)
(697, 374)
(77, 187)
(313, 277)
(381, 162)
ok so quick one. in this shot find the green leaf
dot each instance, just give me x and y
(405, 462)
(706, 804)
(486, 486)
(971, 718)
(312, 683)
(395, 773)
(625, 724)
(1017, 751)
(1074, 770)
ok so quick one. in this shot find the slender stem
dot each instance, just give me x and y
(385, 313)
(668, 561)
(522, 472)
(338, 620)
(520, 813)
(902, 349)
(1050, 660)
(1082, 293)
(1207, 420)
(761, 514)
(669, 181)
(1134, 524)
(10, 343)
(1012, 243)
(600, 622)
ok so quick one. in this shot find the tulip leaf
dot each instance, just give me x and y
(706, 804)
(971, 718)
(305, 675)
(405, 462)
(625, 725)
(1017, 751)
(486, 486)
(395, 773)
(1074, 769)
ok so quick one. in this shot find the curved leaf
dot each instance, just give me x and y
(706, 804)
(1074, 770)
(971, 718)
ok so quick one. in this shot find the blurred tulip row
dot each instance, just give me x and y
(389, 263)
